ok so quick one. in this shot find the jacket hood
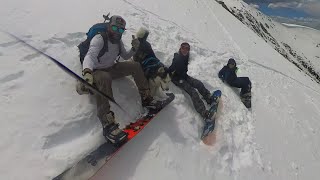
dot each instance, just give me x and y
(232, 61)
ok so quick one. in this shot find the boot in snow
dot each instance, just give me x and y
(111, 130)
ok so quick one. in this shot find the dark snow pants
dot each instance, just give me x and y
(242, 82)
(190, 85)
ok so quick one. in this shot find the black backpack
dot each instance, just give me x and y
(100, 28)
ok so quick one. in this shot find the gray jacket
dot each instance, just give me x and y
(108, 59)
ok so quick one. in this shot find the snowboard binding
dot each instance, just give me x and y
(209, 121)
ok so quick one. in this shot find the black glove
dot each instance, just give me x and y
(135, 44)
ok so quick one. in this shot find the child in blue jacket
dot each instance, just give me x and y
(229, 74)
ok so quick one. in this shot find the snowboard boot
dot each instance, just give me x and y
(246, 99)
(111, 130)
(212, 111)
(148, 101)
(210, 98)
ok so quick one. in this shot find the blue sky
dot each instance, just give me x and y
(303, 12)
(284, 12)
(289, 8)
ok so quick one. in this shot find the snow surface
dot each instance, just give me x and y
(298, 45)
(47, 126)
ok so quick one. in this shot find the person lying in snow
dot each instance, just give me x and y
(229, 74)
(180, 78)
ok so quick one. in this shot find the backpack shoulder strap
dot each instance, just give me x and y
(118, 58)
(119, 49)
(105, 44)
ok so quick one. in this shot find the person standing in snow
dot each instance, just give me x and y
(180, 78)
(101, 71)
(229, 74)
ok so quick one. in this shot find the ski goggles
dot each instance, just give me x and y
(117, 29)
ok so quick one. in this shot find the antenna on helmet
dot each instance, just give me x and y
(106, 17)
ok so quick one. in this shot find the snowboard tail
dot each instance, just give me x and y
(95, 160)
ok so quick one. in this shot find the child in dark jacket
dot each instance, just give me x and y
(145, 54)
(229, 74)
(145, 50)
(180, 78)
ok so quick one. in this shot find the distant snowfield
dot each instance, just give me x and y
(298, 26)
(46, 126)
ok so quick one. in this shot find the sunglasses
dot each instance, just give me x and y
(117, 29)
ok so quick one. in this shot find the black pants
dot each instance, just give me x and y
(190, 85)
(242, 82)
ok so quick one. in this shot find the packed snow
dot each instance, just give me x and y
(46, 126)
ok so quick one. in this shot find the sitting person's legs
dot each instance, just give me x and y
(201, 88)
(243, 83)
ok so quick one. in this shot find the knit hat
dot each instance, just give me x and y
(142, 33)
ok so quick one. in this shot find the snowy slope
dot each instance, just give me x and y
(299, 45)
(46, 126)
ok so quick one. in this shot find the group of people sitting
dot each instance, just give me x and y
(100, 70)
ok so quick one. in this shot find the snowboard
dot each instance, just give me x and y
(209, 123)
(92, 162)
(246, 99)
